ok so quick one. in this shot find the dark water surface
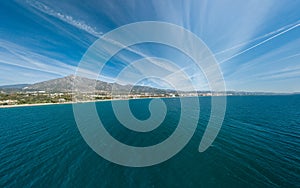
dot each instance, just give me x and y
(258, 146)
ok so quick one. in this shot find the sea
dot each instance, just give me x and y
(257, 146)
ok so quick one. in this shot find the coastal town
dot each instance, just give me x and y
(61, 90)
(9, 98)
(36, 97)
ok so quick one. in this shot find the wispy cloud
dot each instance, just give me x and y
(278, 58)
(226, 23)
(66, 18)
(275, 70)
(44, 37)
(264, 41)
(289, 71)
(19, 56)
(245, 43)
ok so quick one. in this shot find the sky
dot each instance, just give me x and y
(256, 43)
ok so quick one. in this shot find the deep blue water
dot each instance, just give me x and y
(258, 146)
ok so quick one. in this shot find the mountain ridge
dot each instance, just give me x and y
(65, 84)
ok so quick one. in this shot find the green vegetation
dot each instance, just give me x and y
(33, 98)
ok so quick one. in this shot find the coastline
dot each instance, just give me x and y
(72, 102)
(36, 104)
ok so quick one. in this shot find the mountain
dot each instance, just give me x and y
(16, 86)
(65, 84)
(13, 88)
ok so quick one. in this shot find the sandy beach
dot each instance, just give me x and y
(71, 102)
(37, 104)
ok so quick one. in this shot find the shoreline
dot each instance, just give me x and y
(72, 102)
(36, 104)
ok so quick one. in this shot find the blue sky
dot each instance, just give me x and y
(256, 43)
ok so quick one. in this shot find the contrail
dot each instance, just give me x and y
(293, 27)
(283, 29)
(257, 38)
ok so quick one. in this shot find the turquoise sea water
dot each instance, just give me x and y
(258, 146)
